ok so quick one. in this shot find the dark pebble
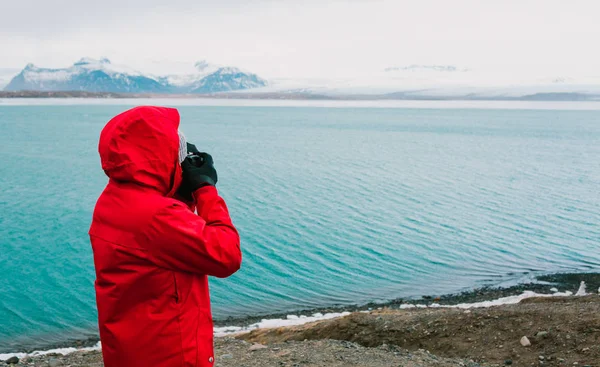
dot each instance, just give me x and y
(508, 362)
(12, 360)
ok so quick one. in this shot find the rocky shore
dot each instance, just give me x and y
(555, 331)
(231, 352)
(542, 331)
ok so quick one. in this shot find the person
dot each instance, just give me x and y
(152, 252)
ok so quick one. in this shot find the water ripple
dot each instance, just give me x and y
(334, 206)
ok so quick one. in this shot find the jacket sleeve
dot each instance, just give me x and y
(206, 243)
(190, 204)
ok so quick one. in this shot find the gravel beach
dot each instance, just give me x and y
(559, 331)
(232, 352)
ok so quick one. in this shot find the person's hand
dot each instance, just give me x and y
(198, 171)
(184, 191)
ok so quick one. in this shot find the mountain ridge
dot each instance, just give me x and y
(100, 75)
(405, 82)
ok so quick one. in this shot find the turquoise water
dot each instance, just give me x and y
(334, 205)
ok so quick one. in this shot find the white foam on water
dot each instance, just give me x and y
(511, 300)
(63, 351)
(290, 320)
(294, 320)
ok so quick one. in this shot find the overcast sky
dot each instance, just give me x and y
(305, 38)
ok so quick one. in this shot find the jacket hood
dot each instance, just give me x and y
(141, 146)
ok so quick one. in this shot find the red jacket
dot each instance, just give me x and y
(151, 252)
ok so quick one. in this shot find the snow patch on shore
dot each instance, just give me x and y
(581, 291)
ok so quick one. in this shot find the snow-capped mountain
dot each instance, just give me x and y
(88, 75)
(186, 79)
(211, 78)
(412, 81)
(92, 75)
(227, 79)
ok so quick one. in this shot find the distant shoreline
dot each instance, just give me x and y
(398, 96)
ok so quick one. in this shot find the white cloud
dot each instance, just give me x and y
(307, 38)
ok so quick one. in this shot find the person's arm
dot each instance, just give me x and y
(191, 204)
(206, 243)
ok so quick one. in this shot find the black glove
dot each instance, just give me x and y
(185, 190)
(198, 171)
(191, 149)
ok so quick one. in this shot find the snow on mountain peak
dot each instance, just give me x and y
(227, 79)
(229, 70)
(101, 75)
(91, 61)
(104, 65)
(201, 69)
